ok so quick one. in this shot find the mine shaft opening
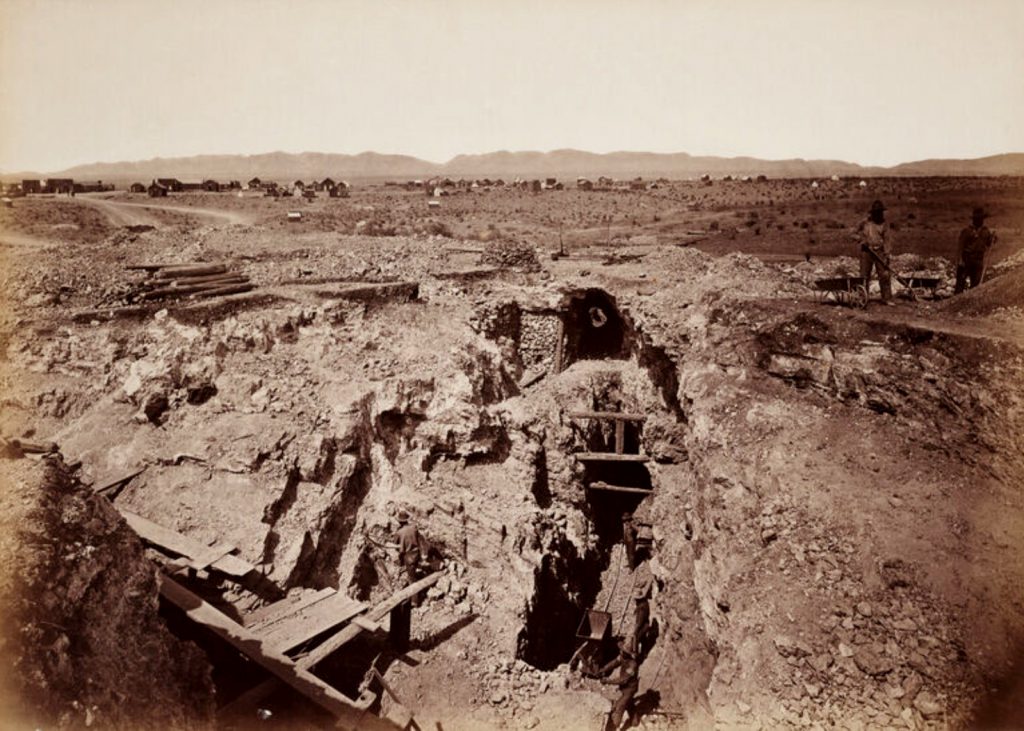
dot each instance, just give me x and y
(594, 328)
(608, 509)
(599, 435)
(564, 588)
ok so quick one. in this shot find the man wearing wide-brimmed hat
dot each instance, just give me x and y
(874, 233)
(409, 543)
(972, 246)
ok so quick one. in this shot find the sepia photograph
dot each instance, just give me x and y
(517, 366)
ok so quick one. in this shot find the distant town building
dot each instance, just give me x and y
(157, 190)
(60, 185)
(173, 185)
(91, 187)
(137, 188)
(31, 186)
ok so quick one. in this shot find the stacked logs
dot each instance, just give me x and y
(192, 280)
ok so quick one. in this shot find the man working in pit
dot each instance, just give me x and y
(628, 681)
(629, 533)
(641, 619)
(972, 246)
(875, 236)
(408, 539)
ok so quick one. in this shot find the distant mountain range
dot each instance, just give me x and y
(286, 167)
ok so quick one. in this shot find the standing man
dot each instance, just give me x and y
(641, 619)
(628, 681)
(408, 539)
(972, 246)
(875, 234)
(629, 538)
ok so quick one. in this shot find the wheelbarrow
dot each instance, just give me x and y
(594, 635)
(848, 291)
(910, 285)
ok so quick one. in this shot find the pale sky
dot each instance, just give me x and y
(869, 81)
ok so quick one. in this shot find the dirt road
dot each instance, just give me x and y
(8, 238)
(131, 214)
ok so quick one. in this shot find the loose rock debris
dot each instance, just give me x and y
(823, 514)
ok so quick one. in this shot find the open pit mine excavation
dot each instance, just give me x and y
(511, 456)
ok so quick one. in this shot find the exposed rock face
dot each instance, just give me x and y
(83, 643)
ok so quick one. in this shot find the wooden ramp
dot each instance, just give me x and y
(308, 620)
(358, 624)
(200, 556)
(292, 624)
(350, 714)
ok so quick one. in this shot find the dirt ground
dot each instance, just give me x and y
(835, 502)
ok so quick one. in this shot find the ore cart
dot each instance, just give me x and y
(594, 637)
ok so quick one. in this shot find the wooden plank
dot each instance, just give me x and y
(311, 621)
(618, 488)
(349, 712)
(119, 481)
(174, 542)
(273, 613)
(352, 630)
(610, 457)
(366, 623)
(211, 554)
(191, 270)
(620, 436)
(377, 613)
(616, 415)
(31, 447)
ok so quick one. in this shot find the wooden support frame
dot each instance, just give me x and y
(610, 457)
(559, 346)
(379, 611)
(345, 635)
(604, 486)
(350, 714)
(611, 415)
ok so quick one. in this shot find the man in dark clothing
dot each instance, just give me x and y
(972, 246)
(874, 233)
(409, 541)
(629, 538)
(641, 619)
(628, 681)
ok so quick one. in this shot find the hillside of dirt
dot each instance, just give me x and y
(83, 643)
(832, 494)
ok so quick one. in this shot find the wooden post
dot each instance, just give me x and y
(559, 337)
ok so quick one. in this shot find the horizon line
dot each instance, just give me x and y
(509, 152)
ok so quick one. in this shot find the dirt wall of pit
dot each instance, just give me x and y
(83, 643)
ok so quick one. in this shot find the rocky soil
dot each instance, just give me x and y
(836, 509)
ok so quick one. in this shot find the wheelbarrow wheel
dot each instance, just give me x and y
(859, 296)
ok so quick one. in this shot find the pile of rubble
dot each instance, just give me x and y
(887, 657)
(511, 255)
